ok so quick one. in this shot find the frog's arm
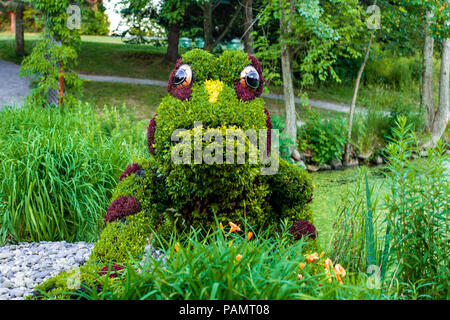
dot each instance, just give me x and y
(292, 191)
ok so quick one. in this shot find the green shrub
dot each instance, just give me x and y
(121, 241)
(205, 183)
(414, 119)
(326, 138)
(291, 186)
(58, 171)
(196, 192)
(202, 63)
(65, 285)
(230, 64)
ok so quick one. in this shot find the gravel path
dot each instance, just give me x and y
(25, 265)
(13, 88)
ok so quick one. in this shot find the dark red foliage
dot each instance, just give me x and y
(181, 93)
(151, 135)
(257, 65)
(269, 130)
(114, 267)
(245, 94)
(122, 207)
(303, 228)
(132, 168)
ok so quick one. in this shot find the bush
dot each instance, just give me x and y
(326, 138)
(58, 170)
(414, 119)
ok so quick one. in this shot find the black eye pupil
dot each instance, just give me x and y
(180, 76)
(252, 79)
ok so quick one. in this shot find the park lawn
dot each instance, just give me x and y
(142, 100)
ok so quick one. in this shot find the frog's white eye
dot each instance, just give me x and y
(183, 76)
(250, 78)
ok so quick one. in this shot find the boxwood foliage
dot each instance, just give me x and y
(193, 194)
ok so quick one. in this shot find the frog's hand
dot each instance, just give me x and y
(292, 189)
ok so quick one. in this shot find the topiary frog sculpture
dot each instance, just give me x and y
(192, 176)
(211, 157)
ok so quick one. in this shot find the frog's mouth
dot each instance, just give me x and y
(152, 129)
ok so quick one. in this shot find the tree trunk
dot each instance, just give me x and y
(20, 26)
(210, 44)
(248, 27)
(172, 47)
(427, 75)
(355, 96)
(440, 120)
(288, 87)
(207, 24)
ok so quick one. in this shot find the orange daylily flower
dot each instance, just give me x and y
(312, 257)
(328, 264)
(300, 276)
(238, 257)
(221, 226)
(322, 254)
(234, 227)
(176, 247)
(249, 235)
(302, 265)
(338, 269)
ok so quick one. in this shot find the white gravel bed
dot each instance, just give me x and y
(25, 265)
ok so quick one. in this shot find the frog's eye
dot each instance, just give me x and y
(250, 78)
(183, 76)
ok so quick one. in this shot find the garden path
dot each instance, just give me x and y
(327, 105)
(13, 87)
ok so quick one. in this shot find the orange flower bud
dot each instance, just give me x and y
(249, 235)
(238, 257)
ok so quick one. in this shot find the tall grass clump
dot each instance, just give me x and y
(418, 204)
(360, 237)
(58, 168)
